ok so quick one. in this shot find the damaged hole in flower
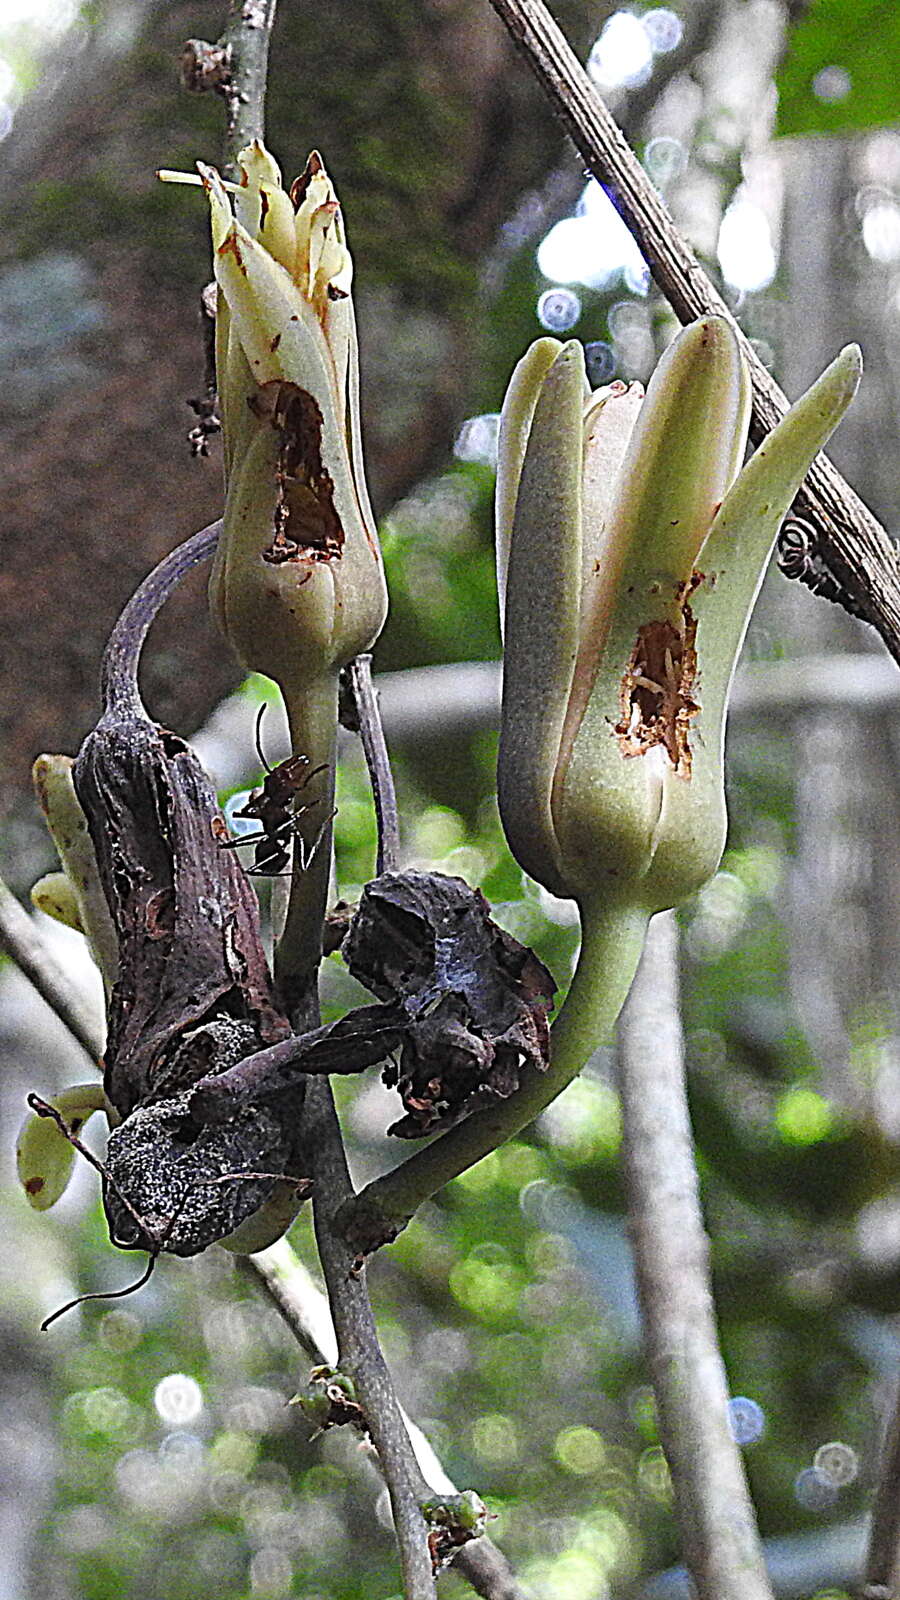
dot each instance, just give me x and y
(657, 691)
(307, 525)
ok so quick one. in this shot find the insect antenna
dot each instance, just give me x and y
(105, 1294)
(257, 736)
(42, 1108)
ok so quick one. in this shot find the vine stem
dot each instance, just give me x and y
(671, 1250)
(371, 733)
(312, 718)
(857, 547)
(611, 946)
(245, 38)
(359, 1353)
(283, 1277)
(313, 722)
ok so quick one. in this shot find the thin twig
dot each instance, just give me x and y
(371, 733)
(718, 1526)
(857, 547)
(245, 37)
(360, 1355)
(282, 1276)
(882, 1570)
(23, 941)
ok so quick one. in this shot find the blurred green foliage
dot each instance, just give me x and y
(840, 70)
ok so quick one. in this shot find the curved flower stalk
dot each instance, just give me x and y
(74, 896)
(297, 585)
(631, 548)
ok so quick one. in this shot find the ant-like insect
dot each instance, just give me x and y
(274, 808)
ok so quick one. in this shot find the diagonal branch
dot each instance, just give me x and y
(858, 549)
(882, 1571)
(671, 1250)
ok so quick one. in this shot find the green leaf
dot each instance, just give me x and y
(840, 46)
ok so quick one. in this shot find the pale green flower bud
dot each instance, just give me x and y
(75, 896)
(44, 1156)
(298, 585)
(631, 547)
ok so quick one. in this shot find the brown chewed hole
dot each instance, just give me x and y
(657, 694)
(307, 526)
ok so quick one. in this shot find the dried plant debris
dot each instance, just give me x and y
(307, 525)
(193, 1185)
(453, 1520)
(193, 995)
(190, 956)
(470, 1002)
(329, 1401)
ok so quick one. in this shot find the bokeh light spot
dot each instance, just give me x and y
(558, 310)
(837, 1463)
(832, 84)
(663, 28)
(600, 362)
(580, 1450)
(746, 1420)
(477, 439)
(803, 1117)
(653, 1475)
(745, 250)
(178, 1399)
(665, 159)
(622, 57)
(494, 1439)
(813, 1492)
(594, 247)
(881, 231)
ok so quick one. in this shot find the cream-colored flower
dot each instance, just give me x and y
(631, 548)
(298, 585)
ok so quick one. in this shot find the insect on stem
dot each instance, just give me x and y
(275, 808)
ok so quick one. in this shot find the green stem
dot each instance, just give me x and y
(612, 939)
(313, 720)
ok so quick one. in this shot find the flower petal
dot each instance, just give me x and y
(542, 599)
(515, 425)
(733, 560)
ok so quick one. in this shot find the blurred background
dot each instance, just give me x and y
(147, 1450)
